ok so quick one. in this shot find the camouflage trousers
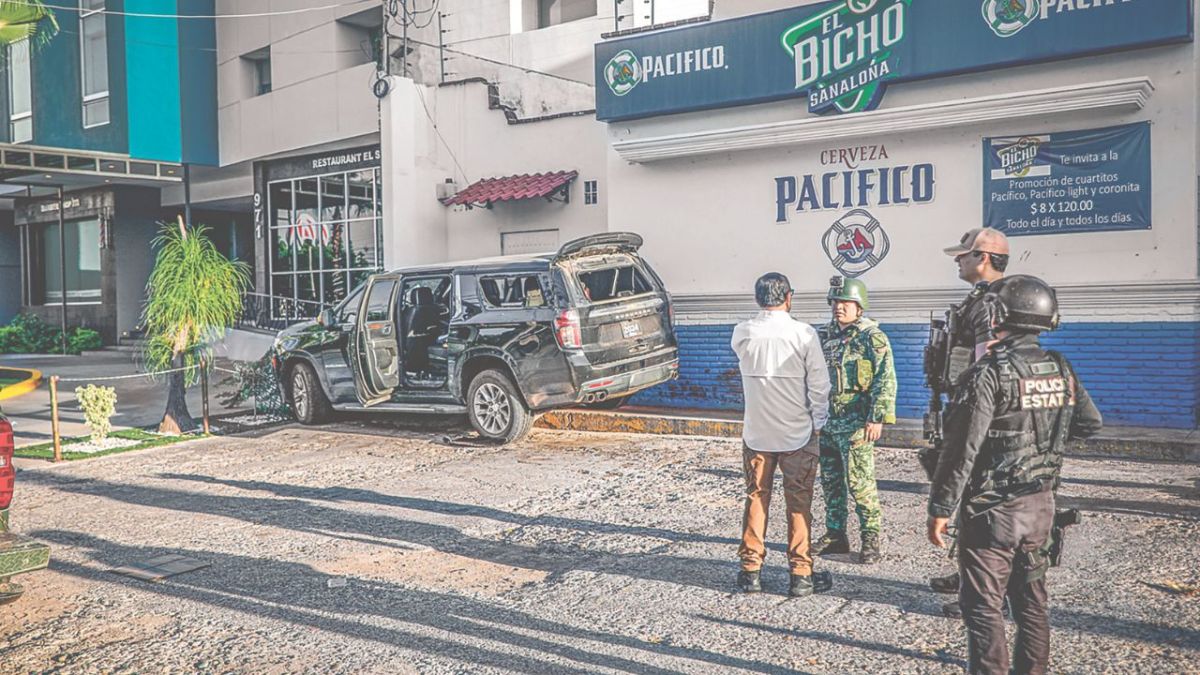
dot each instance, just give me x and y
(848, 469)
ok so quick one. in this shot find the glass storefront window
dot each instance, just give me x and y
(325, 238)
(83, 262)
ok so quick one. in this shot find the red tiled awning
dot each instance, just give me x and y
(507, 188)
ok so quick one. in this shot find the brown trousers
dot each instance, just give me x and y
(799, 468)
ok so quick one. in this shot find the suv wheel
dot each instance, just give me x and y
(309, 402)
(496, 409)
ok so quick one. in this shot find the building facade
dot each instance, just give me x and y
(861, 137)
(100, 117)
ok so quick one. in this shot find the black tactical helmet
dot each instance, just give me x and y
(1022, 303)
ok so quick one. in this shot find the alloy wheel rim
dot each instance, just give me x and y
(493, 409)
(300, 395)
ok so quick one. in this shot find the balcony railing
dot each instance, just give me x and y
(273, 313)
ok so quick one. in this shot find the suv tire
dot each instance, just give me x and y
(496, 409)
(309, 403)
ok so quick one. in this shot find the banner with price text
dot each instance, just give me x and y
(1077, 181)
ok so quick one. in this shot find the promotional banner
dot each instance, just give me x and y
(1076, 181)
(842, 55)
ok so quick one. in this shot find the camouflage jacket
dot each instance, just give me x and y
(862, 374)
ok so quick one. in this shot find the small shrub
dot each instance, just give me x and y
(255, 381)
(99, 405)
(10, 340)
(36, 336)
(84, 340)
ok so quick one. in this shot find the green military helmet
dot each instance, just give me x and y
(852, 290)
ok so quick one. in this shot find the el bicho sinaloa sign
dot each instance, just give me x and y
(842, 56)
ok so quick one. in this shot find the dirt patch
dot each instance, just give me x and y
(47, 596)
(434, 570)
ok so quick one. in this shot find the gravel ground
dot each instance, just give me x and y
(367, 547)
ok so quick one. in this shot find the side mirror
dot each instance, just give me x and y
(325, 318)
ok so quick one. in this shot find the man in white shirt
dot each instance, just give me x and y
(786, 385)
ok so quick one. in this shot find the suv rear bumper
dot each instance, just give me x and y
(628, 383)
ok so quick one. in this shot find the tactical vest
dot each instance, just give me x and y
(1025, 441)
(962, 341)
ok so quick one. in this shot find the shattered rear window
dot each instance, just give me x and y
(613, 282)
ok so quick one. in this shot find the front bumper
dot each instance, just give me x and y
(624, 384)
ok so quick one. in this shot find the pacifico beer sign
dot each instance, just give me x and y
(841, 56)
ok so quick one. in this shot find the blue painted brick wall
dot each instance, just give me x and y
(1144, 374)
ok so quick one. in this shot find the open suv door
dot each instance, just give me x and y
(374, 346)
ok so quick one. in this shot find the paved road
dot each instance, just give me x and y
(140, 401)
(570, 553)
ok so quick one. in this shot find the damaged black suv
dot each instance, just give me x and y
(499, 339)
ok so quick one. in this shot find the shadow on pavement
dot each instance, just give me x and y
(296, 593)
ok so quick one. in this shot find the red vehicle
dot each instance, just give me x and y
(17, 554)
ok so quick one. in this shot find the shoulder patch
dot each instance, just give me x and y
(1045, 368)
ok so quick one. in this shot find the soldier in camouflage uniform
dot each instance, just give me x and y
(862, 400)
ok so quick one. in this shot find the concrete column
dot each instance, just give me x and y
(414, 221)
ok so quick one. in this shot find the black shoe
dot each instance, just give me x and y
(870, 549)
(833, 541)
(947, 584)
(749, 582)
(801, 586)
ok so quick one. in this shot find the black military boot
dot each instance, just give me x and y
(870, 553)
(801, 586)
(749, 582)
(833, 541)
(946, 584)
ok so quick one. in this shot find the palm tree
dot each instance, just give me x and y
(26, 20)
(193, 296)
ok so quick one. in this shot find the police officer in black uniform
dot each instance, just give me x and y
(981, 256)
(1012, 415)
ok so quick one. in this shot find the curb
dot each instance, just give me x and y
(1120, 442)
(21, 388)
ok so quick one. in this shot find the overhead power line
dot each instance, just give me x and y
(149, 15)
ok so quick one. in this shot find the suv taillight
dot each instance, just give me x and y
(7, 474)
(567, 330)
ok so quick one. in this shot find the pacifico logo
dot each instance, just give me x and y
(1006, 18)
(842, 54)
(623, 72)
(856, 243)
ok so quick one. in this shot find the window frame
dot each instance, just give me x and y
(94, 98)
(591, 192)
(487, 302)
(14, 117)
(280, 277)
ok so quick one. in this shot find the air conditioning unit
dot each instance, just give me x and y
(447, 190)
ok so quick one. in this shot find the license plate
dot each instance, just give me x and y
(631, 329)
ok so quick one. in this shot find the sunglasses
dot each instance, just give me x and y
(973, 254)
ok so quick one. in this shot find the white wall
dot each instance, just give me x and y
(419, 229)
(318, 94)
(709, 222)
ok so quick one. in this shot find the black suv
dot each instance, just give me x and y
(498, 339)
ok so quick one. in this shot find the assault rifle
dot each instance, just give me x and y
(936, 367)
